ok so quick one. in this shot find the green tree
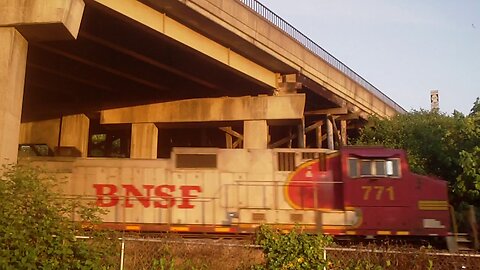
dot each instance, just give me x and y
(446, 146)
(37, 230)
(468, 182)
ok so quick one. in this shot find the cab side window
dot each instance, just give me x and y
(374, 167)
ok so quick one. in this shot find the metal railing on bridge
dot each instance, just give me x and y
(319, 51)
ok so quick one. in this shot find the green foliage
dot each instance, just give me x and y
(447, 146)
(294, 250)
(36, 227)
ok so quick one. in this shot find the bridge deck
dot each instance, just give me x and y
(248, 27)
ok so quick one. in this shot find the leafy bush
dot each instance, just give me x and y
(293, 250)
(37, 230)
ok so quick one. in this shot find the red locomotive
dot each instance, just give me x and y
(364, 191)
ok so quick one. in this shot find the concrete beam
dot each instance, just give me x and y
(144, 141)
(163, 24)
(43, 19)
(210, 109)
(13, 60)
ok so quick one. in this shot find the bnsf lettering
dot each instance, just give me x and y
(164, 195)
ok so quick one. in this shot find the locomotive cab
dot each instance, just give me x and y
(390, 198)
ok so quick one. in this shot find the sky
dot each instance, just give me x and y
(405, 48)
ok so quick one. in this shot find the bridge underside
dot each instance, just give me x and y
(115, 62)
(103, 55)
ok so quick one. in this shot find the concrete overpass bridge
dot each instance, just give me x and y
(135, 78)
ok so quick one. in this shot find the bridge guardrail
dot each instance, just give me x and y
(273, 18)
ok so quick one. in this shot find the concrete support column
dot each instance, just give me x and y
(74, 132)
(255, 133)
(13, 59)
(144, 141)
(330, 142)
(343, 131)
